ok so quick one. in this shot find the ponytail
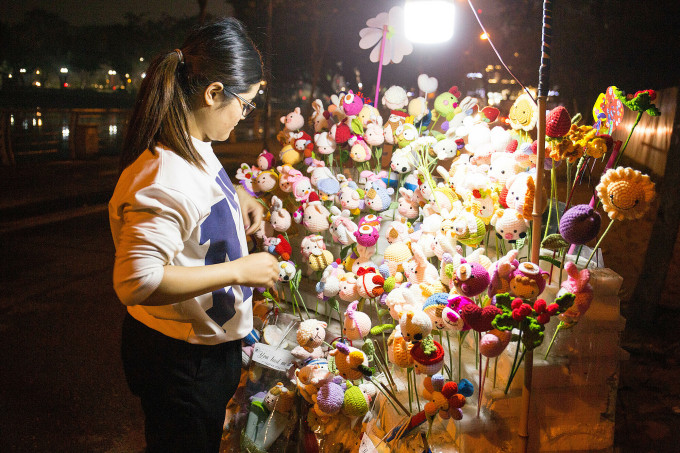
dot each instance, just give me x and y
(217, 52)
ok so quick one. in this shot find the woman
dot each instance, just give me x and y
(182, 267)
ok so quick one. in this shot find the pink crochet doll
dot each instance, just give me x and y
(408, 205)
(265, 161)
(578, 284)
(527, 281)
(280, 218)
(356, 324)
(315, 216)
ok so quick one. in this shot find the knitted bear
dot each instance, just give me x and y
(471, 279)
(451, 313)
(310, 336)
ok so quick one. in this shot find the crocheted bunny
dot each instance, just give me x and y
(287, 175)
(426, 235)
(318, 118)
(578, 284)
(280, 218)
(500, 273)
(342, 227)
(418, 269)
(408, 204)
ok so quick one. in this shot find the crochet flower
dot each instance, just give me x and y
(523, 113)
(642, 101)
(625, 193)
(396, 44)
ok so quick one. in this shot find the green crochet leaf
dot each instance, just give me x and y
(554, 242)
(504, 301)
(519, 243)
(333, 304)
(331, 365)
(504, 321)
(357, 126)
(565, 301)
(551, 260)
(448, 270)
(394, 205)
(368, 347)
(297, 278)
(533, 334)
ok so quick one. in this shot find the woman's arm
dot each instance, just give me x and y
(252, 211)
(181, 283)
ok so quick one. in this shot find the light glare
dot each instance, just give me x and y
(429, 21)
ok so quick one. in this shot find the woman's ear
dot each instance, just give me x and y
(211, 92)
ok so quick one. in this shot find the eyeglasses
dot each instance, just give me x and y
(248, 106)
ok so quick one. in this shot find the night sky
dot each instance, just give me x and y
(101, 12)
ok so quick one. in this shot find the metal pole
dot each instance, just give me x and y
(543, 79)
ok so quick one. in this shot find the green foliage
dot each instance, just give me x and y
(532, 334)
(504, 321)
(554, 242)
(551, 260)
(565, 301)
(357, 126)
(504, 301)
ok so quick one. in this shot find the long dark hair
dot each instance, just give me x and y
(217, 52)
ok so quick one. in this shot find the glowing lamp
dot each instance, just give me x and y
(429, 21)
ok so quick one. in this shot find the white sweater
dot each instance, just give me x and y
(167, 211)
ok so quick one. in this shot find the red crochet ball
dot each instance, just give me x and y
(512, 146)
(450, 389)
(543, 318)
(342, 133)
(457, 401)
(558, 122)
(419, 355)
(502, 198)
(540, 306)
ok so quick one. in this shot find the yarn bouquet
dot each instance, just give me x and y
(402, 242)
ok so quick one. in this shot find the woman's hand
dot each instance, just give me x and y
(258, 270)
(253, 211)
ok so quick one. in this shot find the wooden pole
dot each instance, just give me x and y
(544, 77)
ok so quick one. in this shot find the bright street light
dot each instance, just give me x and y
(429, 21)
(64, 70)
(484, 36)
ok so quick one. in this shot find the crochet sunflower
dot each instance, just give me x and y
(625, 193)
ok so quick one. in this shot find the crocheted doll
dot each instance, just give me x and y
(500, 273)
(350, 197)
(348, 290)
(510, 225)
(280, 218)
(408, 205)
(301, 188)
(446, 103)
(287, 175)
(279, 399)
(286, 271)
(373, 134)
(359, 150)
(310, 336)
(369, 283)
(311, 377)
(293, 121)
(625, 193)
(367, 235)
(428, 357)
(415, 326)
(396, 119)
(355, 402)
(352, 363)
(433, 308)
(451, 313)
(342, 228)
(265, 160)
(280, 247)
(356, 324)
(398, 231)
(395, 97)
(527, 281)
(329, 284)
(351, 103)
(521, 192)
(471, 279)
(315, 216)
(289, 155)
(396, 255)
(378, 198)
(325, 144)
(578, 284)
(266, 181)
(402, 161)
(399, 350)
(319, 118)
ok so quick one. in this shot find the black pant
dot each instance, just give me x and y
(184, 388)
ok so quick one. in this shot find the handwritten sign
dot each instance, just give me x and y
(271, 357)
(367, 445)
